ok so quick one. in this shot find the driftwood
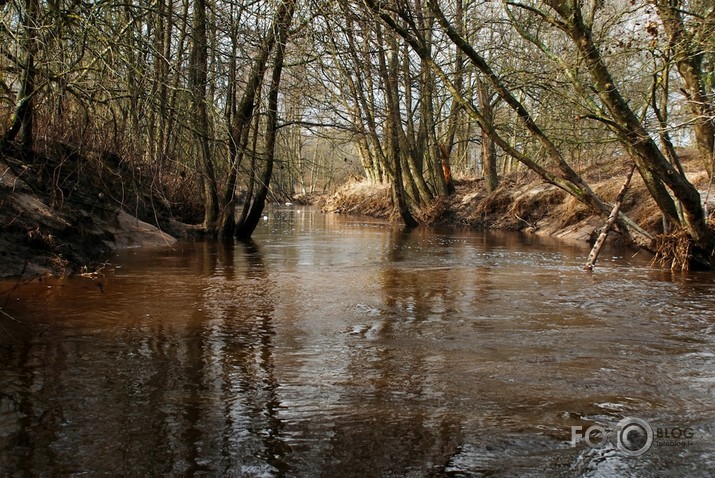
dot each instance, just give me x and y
(591, 262)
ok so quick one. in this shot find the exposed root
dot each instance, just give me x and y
(678, 251)
(674, 250)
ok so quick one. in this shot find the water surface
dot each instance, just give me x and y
(338, 346)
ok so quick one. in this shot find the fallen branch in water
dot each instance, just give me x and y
(591, 262)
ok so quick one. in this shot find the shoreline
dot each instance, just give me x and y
(44, 236)
(521, 203)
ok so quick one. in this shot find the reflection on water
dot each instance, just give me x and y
(336, 346)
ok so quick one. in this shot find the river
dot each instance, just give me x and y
(342, 346)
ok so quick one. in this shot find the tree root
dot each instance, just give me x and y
(678, 250)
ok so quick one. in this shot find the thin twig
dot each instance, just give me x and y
(707, 197)
(526, 222)
(10, 317)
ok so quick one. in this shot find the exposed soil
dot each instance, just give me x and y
(521, 203)
(69, 212)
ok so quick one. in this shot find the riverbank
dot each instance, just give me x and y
(522, 202)
(68, 213)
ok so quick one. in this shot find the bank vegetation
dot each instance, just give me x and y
(211, 108)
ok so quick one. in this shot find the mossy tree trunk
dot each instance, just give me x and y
(653, 165)
(690, 42)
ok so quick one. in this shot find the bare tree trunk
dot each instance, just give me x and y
(568, 180)
(489, 148)
(198, 85)
(361, 84)
(283, 23)
(690, 48)
(427, 138)
(652, 164)
(238, 131)
(22, 123)
(389, 68)
(438, 161)
(447, 145)
(169, 145)
(27, 89)
(253, 151)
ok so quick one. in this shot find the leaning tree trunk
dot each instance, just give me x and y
(238, 129)
(568, 179)
(596, 250)
(689, 47)
(655, 169)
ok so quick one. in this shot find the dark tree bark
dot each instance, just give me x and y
(245, 229)
(198, 81)
(239, 127)
(652, 164)
(689, 47)
(389, 73)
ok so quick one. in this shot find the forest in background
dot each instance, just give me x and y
(218, 106)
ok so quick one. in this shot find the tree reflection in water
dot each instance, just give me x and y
(177, 379)
(346, 347)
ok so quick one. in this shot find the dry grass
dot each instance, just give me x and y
(440, 209)
(525, 203)
(677, 250)
(674, 250)
(361, 198)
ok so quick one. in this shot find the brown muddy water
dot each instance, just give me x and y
(336, 346)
